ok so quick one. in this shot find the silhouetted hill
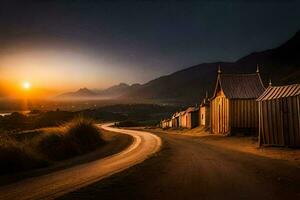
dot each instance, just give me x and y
(109, 93)
(81, 93)
(118, 90)
(281, 64)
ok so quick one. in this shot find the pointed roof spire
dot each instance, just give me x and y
(219, 69)
(257, 68)
(270, 82)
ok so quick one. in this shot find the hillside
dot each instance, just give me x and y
(109, 93)
(81, 93)
(281, 64)
(118, 90)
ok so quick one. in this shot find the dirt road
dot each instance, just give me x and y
(58, 183)
(188, 168)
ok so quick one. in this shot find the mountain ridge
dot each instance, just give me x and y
(189, 85)
(281, 64)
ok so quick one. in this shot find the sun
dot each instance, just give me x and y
(26, 85)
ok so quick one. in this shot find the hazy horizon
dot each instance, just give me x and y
(61, 46)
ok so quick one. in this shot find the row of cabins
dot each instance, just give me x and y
(183, 119)
(241, 104)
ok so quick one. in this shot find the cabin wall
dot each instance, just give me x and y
(183, 120)
(243, 114)
(165, 124)
(220, 115)
(204, 117)
(280, 122)
(179, 121)
(170, 124)
(175, 122)
(192, 119)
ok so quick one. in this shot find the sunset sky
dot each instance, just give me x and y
(64, 45)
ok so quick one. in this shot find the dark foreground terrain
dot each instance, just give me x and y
(189, 168)
(115, 143)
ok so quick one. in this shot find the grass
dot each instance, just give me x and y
(74, 138)
(17, 156)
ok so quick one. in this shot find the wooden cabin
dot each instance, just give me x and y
(182, 120)
(164, 124)
(170, 123)
(233, 105)
(175, 120)
(204, 113)
(279, 116)
(192, 117)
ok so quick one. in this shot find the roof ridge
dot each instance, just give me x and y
(276, 92)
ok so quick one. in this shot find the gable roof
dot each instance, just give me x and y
(280, 92)
(240, 86)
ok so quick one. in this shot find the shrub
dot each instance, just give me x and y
(71, 139)
(74, 138)
(16, 156)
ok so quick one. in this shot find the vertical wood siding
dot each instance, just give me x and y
(204, 116)
(243, 113)
(280, 122)
(220, 115)
(234, 113)
(192, 119)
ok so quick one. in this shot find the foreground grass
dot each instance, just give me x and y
(54, 144)
(17, 156)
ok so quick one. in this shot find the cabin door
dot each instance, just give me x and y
(221, 115)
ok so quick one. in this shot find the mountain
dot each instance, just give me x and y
(118, 90)
(109, 93)
(81, 93)
(281, 64)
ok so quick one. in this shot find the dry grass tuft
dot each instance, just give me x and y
(53, 144)
(17, 156)
(74, 138)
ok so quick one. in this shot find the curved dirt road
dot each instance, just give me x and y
(191, 169)
(55, 184)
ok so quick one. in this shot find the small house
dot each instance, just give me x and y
(164, 124)
(204, 112)
(182, 119)
(279, 116)
(170, 123)
(233, 105)
(192, 117)
(175, 120)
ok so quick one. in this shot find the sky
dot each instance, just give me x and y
(64, 45)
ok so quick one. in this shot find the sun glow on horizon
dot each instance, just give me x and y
(26, 85)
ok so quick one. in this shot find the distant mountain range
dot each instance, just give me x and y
(113, 92)
(81, 93)
(281, 65)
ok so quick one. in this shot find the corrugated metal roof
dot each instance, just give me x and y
(280, 92)
(241, 86)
